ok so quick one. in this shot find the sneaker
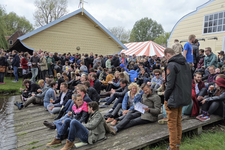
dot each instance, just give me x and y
(103, 106)
(15, 81)
(3, 82)
(163, 121)
(49, 125)
(200, 116)
(205, 118)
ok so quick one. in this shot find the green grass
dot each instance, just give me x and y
(34, 147)
(11, 87)
(32, 143)
(208, 140)
(22, 133)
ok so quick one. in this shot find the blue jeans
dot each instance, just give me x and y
(34, 72)
(76, 129)
(2, 76)
(58, 123)
(112, 99)
(68, 106)
(15, 73)
(119, 100)
(50, 72)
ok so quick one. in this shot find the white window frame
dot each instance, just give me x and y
(203, 27)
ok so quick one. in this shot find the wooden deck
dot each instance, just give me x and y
(32, 134)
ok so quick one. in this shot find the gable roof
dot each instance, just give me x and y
(66, 17)
(188, 15)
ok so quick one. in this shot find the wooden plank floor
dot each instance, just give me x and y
(32, 134)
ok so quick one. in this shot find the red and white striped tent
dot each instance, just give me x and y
(147, 48)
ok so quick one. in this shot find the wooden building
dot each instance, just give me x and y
(207, 22)
(74, 33)
(12, 39)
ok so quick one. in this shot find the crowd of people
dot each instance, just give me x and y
(74, 86)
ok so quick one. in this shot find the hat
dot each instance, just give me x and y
(221, 52)
(220, 82)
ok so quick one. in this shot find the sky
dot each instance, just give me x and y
(114, 13)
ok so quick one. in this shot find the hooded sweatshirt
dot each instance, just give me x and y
(133, 74)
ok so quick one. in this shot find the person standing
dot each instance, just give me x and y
(43, 65)
(177, 47)
(3, 65)
(51, 63)
(34, 66)
(195, 48)
(24, 64)
(177, 94)
(15, 64)
(188, 50)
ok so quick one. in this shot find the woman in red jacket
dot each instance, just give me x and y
(24, 64)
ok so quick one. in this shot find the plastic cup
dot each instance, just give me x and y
(69, 113)
(211, 87)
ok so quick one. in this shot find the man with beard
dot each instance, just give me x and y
(199, 84)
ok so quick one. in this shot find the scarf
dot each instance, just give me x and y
(84, 107)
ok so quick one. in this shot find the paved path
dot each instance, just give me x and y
(32, 134)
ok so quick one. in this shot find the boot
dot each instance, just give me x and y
(49, 125)
(59, 115)
(54, 142)
(68, 145)
(106, 94)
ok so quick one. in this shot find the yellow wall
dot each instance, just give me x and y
(75, 31)
(194, 25)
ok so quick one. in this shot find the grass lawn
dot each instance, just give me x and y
(10, 87)
(210, 139)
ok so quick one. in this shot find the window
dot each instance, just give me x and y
(10, 42)
(214, 23)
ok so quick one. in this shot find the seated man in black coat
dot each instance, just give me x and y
(97, 84)
(64, 96)
(30, 87)
(119, 93)
(92, 93)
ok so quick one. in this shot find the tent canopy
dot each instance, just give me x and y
(148, 48)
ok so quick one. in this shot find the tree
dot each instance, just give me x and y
(162, 39)
(3, 42)
(49, 10)
(13, 22)
(120, 33)
(145, 30)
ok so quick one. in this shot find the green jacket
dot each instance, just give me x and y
(49, 60)
(210, 60)
(108, 64)
(154, 104)
(96, 128)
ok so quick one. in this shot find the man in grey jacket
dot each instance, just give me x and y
(35, 60)
(38, 99)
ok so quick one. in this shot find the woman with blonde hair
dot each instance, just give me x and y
(132, 97)
(3, 64)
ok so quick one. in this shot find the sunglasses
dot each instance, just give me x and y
(156, 74)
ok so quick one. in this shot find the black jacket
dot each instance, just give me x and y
(86, 62)
(3, 61)
(195, 53)
(115, 61)
(61, 80)
(33, 87)
(16, 61)
(93, 94)
(65, 99)
(120, 92)
(87, 98)
(179, 82)
(97, 85)
(81, 116)
(221, 97)
(141, 77)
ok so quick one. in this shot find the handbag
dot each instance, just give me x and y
(2, 68)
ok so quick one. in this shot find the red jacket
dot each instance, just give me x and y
(201, 84)
(195, 108)
(24, 63)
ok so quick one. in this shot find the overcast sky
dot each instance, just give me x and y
(124, 13)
